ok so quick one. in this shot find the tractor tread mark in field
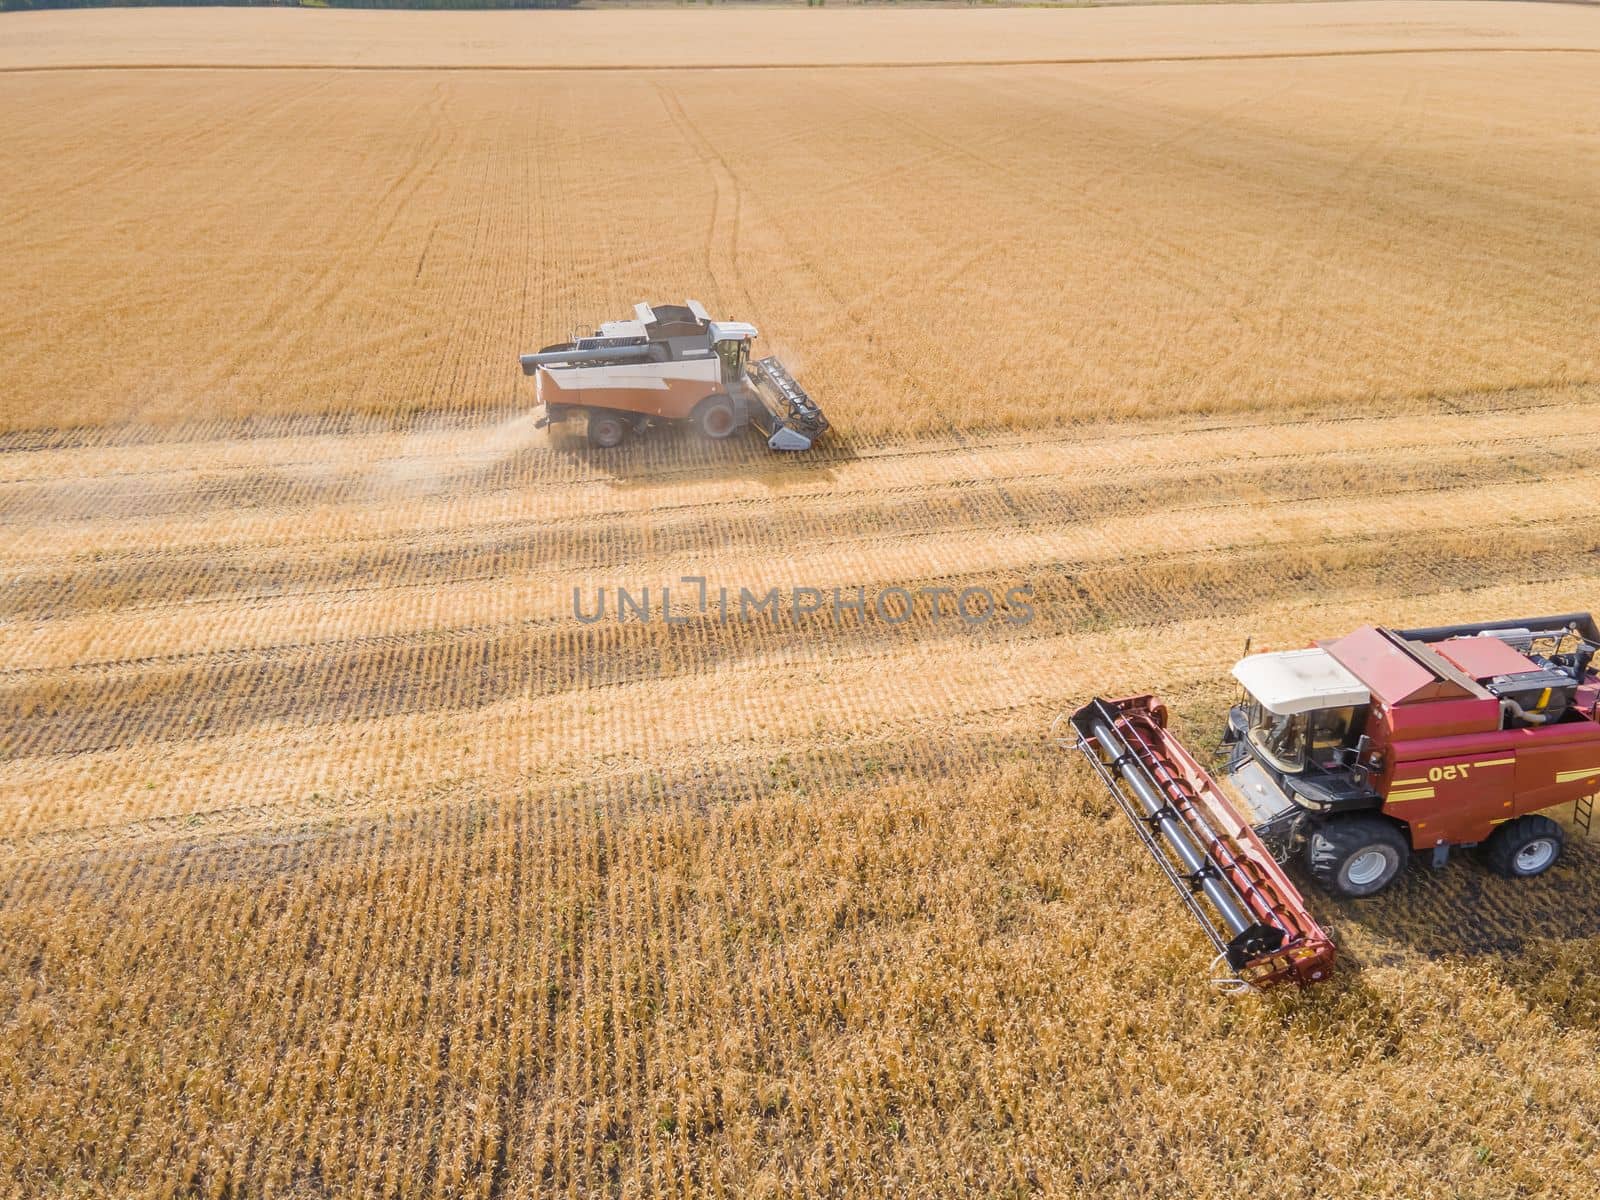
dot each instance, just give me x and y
(44, 713)
(145, 578)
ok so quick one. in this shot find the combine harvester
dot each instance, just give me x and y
(1356, 753)
(672, 363)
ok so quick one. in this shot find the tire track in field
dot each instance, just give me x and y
(878, 553)
(569, 490)
(71, 713)
(350, 448)
(713, 761)
(608, 540)
(721, 251)
(863, 65)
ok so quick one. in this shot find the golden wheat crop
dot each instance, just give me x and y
(337, 857)
(977, 246)
(773, 37)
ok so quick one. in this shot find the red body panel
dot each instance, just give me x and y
(1443, 718)
(1391, 675)
(1484, 657)
(1453, 798)
(1451, 772)
(1455, 790)
(1548, 775)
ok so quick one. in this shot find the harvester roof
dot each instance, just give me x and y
(1296, 681)
(731, 331)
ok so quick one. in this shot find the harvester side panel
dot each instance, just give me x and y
(1453, 799)
(669, 390)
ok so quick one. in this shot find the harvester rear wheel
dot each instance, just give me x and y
(1356, 856)
(1523, 848)
(607, 430)
(715, 418)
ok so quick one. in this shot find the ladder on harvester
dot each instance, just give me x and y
(1583, 813)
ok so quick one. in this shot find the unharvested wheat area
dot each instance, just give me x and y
(338, 858)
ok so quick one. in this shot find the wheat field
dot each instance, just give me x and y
(339, 857)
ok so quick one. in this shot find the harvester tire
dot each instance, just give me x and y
(1524, 847)
(1356, 856)
(714, 417)
(607, 430)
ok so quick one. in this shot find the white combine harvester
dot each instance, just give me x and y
(672, 363)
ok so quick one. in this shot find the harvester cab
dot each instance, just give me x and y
(1354, 754)
(672, 363)
(1296, 739)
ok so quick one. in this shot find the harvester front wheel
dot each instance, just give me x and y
(1356, 856)
(607, 430)
(1522, 848)
(714, 417)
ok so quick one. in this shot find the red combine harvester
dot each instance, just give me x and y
(1356, 753)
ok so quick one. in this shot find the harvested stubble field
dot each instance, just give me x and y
(337, 857)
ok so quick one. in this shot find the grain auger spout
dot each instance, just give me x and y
(1224, 874)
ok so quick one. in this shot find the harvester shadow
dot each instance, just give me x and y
(1540, 937)
(676, 454)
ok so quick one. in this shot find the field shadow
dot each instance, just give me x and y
(1540, 936)
(661, 454)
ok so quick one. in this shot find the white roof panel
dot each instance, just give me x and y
(730, 331)
(621, 329)
(1297, 681)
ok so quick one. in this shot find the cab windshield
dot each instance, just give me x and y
(1288, 742)
(733, 355)
(1280, 739)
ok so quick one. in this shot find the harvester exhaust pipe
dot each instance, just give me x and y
(1225, 876)
(1250, 939)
